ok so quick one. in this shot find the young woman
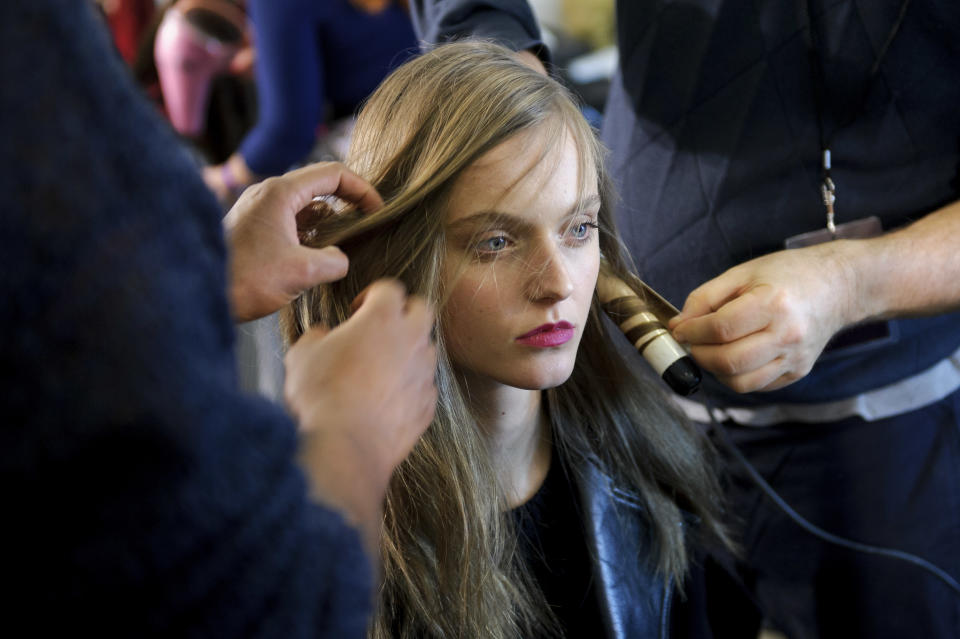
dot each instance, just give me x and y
(555, 493)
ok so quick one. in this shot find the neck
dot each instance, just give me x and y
(517, 432)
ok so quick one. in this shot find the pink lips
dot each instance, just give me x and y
(548, 335)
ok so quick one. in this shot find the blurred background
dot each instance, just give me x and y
(197, 60)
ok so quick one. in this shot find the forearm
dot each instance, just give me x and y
(229, 179)
(290, 80)
(911, 271)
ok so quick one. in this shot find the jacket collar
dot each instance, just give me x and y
(634, 601)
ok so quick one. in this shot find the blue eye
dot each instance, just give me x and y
(582, 231)
(494, 244)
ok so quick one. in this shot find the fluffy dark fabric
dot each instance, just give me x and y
(142, 493)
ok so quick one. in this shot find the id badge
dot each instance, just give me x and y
(861, 229)
(862, 337)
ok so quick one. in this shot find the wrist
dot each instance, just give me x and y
(239, 309)
(229, 180)
(238, 286)
(236, 175)
(344, 477)
(857, 267)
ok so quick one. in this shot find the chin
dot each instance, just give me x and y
(538, 378)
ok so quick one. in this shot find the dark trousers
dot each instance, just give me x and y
(893, 483)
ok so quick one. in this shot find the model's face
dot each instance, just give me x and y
(522, 263)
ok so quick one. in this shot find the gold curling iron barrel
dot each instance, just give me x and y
(646, 332)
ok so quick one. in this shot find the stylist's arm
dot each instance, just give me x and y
(762, 324)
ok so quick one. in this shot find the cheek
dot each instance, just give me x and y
(470, 310)
(585, 281)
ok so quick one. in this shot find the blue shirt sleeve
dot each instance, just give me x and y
(290, 78)
(314, 56)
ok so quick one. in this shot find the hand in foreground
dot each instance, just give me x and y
(268, 266)
(762, 324)
(363, 394)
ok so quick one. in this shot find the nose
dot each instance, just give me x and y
(549, 279)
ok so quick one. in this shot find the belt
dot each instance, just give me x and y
(904, 396)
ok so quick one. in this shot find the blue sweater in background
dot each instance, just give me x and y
(143, 494)
(312, 54)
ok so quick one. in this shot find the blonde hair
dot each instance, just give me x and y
(450, 560)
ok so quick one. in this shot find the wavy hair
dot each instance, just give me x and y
(450, 559)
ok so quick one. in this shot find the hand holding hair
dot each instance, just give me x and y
(268, 266)
(363, 393)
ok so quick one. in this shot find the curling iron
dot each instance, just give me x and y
(642, 321)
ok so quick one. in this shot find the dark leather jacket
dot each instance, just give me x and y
(635, 602)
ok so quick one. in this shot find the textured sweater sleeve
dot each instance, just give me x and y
(509, 22)
(143, 494)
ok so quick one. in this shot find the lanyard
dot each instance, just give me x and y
(828, 189)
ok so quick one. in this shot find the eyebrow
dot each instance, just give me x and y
(499, 219)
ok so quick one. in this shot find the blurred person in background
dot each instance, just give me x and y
(315, 64)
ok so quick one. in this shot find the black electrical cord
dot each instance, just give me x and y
(816, 531)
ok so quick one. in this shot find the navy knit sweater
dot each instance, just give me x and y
(142, 493)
